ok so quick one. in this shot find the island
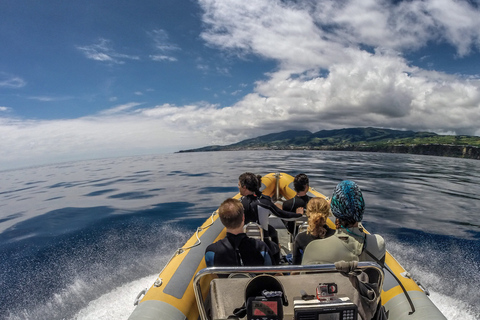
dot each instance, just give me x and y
(360, 139)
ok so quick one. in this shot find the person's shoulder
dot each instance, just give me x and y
(330, 231)
(256, 243)
(304, 236)
(213, 246)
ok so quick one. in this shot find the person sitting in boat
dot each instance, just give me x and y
(258, 207)
(318, 211)
(350, 242)
(236, 249)
(298, 203)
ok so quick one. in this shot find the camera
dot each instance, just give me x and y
(326, 291)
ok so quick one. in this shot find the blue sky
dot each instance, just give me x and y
(81, 80)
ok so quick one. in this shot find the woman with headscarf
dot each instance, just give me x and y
(350, 242)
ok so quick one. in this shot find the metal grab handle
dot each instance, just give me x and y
(322, 268)
(138, 298)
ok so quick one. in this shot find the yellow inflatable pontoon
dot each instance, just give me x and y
(186, 289)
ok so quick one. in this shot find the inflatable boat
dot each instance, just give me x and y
(186, 289)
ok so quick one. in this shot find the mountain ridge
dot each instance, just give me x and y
(360, 139)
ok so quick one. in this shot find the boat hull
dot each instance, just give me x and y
(172, 295)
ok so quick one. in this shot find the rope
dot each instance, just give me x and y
(182, 250)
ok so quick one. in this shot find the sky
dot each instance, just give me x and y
(109, 78)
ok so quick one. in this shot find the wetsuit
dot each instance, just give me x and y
(292, 205)
(296, 202)
(257, 209)
(302, 240)
(237, 250)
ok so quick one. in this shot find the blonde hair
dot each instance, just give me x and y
(318, 210)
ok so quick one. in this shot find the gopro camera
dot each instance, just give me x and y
(326, 291)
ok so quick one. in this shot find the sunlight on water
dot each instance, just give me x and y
(97, 230)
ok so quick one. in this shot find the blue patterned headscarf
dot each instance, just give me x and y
(347, 202)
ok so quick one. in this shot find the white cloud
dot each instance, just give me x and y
(120, 109)
(4, 109)
(34, 142)
(162, 45)
(339, 64)
(103, 51)
(50, 98)
(159, 57)
(11, 81)
(325, 77)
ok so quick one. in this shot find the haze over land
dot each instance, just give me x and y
(102, 79)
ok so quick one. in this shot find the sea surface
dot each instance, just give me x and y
(80, 240)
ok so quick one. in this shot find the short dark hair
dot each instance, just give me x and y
(300, 181)
(250, 181)
(231, 213)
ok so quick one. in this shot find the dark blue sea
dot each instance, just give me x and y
(80, 240)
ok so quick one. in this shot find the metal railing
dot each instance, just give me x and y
(317, 268)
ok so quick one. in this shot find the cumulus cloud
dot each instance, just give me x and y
(341, 63)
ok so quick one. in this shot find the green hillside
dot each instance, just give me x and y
(362, 139)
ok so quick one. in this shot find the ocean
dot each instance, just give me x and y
(80, 240)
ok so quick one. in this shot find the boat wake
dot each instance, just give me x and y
(452, 286)
(117, 304)
(108, 290)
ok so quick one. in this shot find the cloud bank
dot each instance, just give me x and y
(339, 64)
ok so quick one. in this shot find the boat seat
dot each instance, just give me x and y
(226, 295)
(253, 230)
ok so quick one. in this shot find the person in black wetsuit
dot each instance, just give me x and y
(298, 203)
(318, 211)
(258, 207)
(236, 249)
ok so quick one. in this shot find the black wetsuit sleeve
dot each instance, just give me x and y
(282, 214)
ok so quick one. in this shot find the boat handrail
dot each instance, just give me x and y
(322, 268)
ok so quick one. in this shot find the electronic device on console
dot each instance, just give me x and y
(325, 305)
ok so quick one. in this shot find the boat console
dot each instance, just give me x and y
(300, 292)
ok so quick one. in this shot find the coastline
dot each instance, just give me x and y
(439, 150)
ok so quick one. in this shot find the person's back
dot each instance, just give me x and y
(350, 242)
(258, 206)
(236, 249)
(318, 211)
(301, 185)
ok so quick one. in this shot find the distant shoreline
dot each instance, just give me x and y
(439, 150)
(361, 139)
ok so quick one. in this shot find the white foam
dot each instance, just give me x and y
(452, 309)
(117, 304)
